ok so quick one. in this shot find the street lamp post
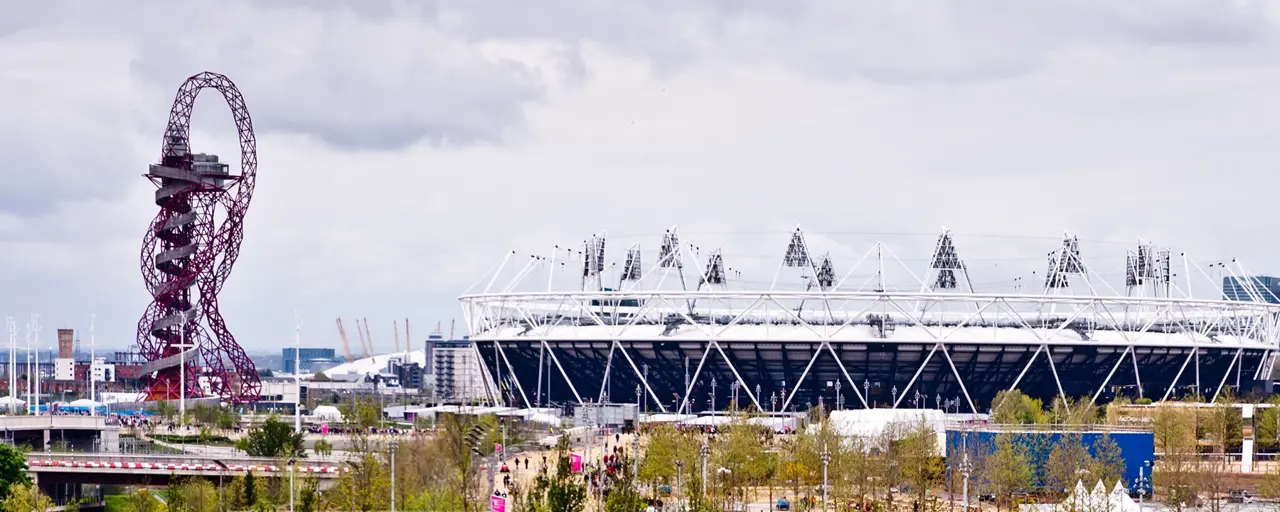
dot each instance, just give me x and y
(34, 329)
(966, 468)
(13, 364)
(866, 388)
(297, 373)
(838, 401)
(680, 475)
(293, 469)
(826, 460)
(713, 395)
(93, 383)
(182, 371)
(393, 475)
(706, 452)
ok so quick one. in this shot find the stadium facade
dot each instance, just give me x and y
(683, 332)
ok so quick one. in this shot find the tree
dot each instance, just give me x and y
(322, 448)
(13, 469)
(367, 484)
(1108, 462)
(623, 494)
(1013, 407)
(174, 499)
(199, 495)
(250, 489)
(1007, 469)
(917, 454)
(24, 497)
(1176, 478)
(274, 438)
(1069, 461)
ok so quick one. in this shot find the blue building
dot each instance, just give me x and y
(306, 357)
(1246, 288)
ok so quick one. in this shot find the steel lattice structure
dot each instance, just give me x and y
(188, 252)
(667, 335)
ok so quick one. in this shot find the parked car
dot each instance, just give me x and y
(783, 504)
(504, 469)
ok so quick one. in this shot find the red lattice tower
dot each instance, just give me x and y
(188, 252)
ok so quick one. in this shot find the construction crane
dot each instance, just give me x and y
(395, 325)
(346, 345)
(368, 336)
(364, 343)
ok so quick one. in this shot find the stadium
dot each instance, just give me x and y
(683, 331)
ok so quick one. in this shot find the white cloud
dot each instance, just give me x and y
(401, 156)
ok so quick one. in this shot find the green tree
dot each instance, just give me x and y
(1007, 468)
(1069, 461)
(917, 453)
(23, 497)
(250, 491)
(274, 438)
(322, 448)
(174, 499)
(307, 499)
(199, 495)
(1013, 407)
(623, 494)
(13, 469)
(564, 491)
(366, 485)
(1108, 462)
(1176, 478)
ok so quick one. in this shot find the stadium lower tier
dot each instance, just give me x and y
(696, 376)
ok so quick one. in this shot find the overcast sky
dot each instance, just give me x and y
(404, 147)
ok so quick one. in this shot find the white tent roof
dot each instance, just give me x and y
(328, 412)
(11, 400)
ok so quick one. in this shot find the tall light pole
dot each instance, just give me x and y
(35, 342)
(293, 469)
(93, 383)
(826, 460)
(838, 401)
(12, 325)
(706, 452)
(182, 370)
(966, 468)
(393, 475)
(297, 374)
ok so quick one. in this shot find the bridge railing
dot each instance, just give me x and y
(101, 457)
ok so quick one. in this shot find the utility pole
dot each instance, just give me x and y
(35, 333)
(12, 325)
(93, 383)
(297, 375)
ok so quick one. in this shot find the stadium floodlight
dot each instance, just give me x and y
(669, 252)
(826, 273)
(945, 263)
(631, 268)
(715, 269)
(797, 252)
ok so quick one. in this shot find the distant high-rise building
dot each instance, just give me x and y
(305, 357)
(1251, 288)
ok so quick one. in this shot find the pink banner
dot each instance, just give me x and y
(324, 428)
(497, 447)
(575, 463)
(497, 504)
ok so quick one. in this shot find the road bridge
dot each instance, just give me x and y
(60, 474)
